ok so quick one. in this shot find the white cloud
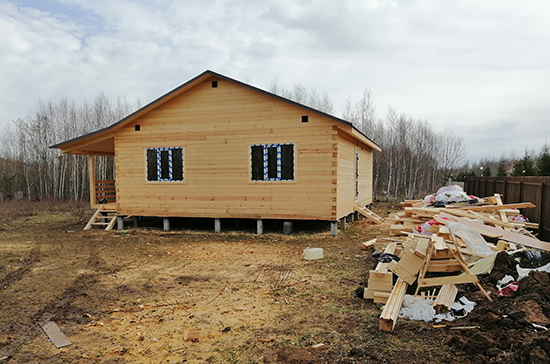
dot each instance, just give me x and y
(465, 64)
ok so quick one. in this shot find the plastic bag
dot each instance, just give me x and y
(451, 196)
(453, 188)
(473, 239)
(524, 272)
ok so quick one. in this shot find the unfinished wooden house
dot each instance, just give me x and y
(218, 148)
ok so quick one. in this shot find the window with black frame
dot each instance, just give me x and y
(165, 164)
(272, 162)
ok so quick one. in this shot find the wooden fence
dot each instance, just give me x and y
(518, 189)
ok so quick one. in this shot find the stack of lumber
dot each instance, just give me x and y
(492, 219)
(436, 261)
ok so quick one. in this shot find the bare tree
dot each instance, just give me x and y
(30, 166)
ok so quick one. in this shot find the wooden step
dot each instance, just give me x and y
(369, 214)
(102, 214)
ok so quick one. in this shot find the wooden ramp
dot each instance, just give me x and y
(369, 214)
(102, 217)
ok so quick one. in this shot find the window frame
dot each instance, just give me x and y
(266, 164)
(158, 151)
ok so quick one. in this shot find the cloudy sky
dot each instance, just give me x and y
(480, 68)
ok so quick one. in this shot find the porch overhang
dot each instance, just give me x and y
(99, 147)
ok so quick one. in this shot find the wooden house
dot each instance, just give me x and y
(218, 148)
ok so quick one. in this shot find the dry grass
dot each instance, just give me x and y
(14, 209)
(145, 291)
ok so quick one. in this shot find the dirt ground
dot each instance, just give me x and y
(143, 295)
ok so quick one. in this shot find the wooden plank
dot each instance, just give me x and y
(531, 225)
(473, 215)
(390, 249)
(439, 242)
(401, 272)
(426, 212)
(459, 242)
(503, 245)
(368, 244)
(55, 334)
(381, 297)
(421, 249)
(507, 235)
(489, 208)
(503, 215)
(380, 281)
(368, 214)
(411, 263)
(441, 281)
(111, 223)
(446, 265)
(93, 218)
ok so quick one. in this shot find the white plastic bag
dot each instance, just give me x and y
(524, 272)
(453, 188)
(473, 239)
(451, 196)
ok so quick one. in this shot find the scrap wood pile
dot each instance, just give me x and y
(430, 247)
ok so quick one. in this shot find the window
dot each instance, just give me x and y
(165, 164)
(272, 162)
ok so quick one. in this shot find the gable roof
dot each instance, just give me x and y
(101, 137)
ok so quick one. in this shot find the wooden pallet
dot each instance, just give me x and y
(102, 217)
(368, 214)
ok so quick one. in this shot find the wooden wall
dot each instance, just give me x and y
(216, 127)
(346, 174)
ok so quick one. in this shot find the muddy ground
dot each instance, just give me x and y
(192, 296)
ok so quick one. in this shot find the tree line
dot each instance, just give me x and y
(530, 164)
(416, 158)
(29, 168)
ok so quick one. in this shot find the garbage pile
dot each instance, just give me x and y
(447, 195)
(427, 251)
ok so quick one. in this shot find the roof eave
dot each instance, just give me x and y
(77, 142)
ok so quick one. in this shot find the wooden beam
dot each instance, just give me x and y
(444, 265)
(490, 208)
(445, 298)
(441, 281)
(368, 244)
(368, 214)
(91, 173)
(474, 215)
(380, 280)
(464, 264)
(388, 318)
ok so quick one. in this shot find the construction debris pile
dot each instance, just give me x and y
(430, 250)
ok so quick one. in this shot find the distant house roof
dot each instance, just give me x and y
(102, 144)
